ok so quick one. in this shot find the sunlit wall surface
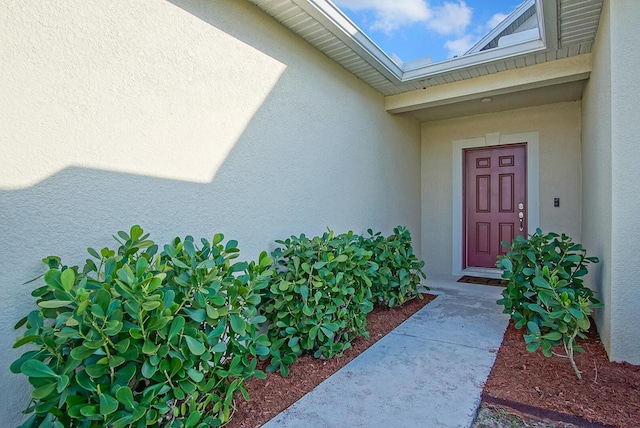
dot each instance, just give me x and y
(186, 117)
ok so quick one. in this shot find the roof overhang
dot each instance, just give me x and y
(343, 28)
(566, 28)
(557, 81)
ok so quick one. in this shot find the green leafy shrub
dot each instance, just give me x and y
(398, 270)
(319, 297)
(546, 292)
(144, 339)
(325, 286)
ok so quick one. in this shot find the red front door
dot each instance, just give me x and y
(495, 201)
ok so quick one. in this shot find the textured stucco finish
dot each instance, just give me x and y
(186, 117)
(596, 180)
(558, 126)
(625, 158)
(611, 159)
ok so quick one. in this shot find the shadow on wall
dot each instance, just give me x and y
(319, 151)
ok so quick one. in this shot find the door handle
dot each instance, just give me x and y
(521, 216)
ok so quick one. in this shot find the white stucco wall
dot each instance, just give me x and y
(611, 158)
(186, 117)
(558, 127)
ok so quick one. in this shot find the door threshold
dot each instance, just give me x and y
(482, 272)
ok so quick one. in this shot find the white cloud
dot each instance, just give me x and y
(451, 18)
(390, 15)
(495, 20)
(460, 45)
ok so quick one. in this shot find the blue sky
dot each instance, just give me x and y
(414, 29)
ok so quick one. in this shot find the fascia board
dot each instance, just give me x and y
(548, 23)
(476, 59)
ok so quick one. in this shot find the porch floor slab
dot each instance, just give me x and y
(428, 372)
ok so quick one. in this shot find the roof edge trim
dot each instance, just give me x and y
(502, 26)
(478, 58)
(352, 35)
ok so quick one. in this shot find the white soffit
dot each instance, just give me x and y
(566, 28)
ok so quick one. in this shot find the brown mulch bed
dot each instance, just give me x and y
(547, 388)
(525, 384)
(275, 393)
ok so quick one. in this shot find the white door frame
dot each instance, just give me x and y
(533, 189)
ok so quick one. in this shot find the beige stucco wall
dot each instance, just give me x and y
(610, 163)
(187, 117)
(558, 127)
(596, 164)
(625, 158)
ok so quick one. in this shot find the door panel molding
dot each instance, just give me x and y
(533, 186)
(506, 199)
(492, 203)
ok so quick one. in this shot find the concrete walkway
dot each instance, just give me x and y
(428, 372)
